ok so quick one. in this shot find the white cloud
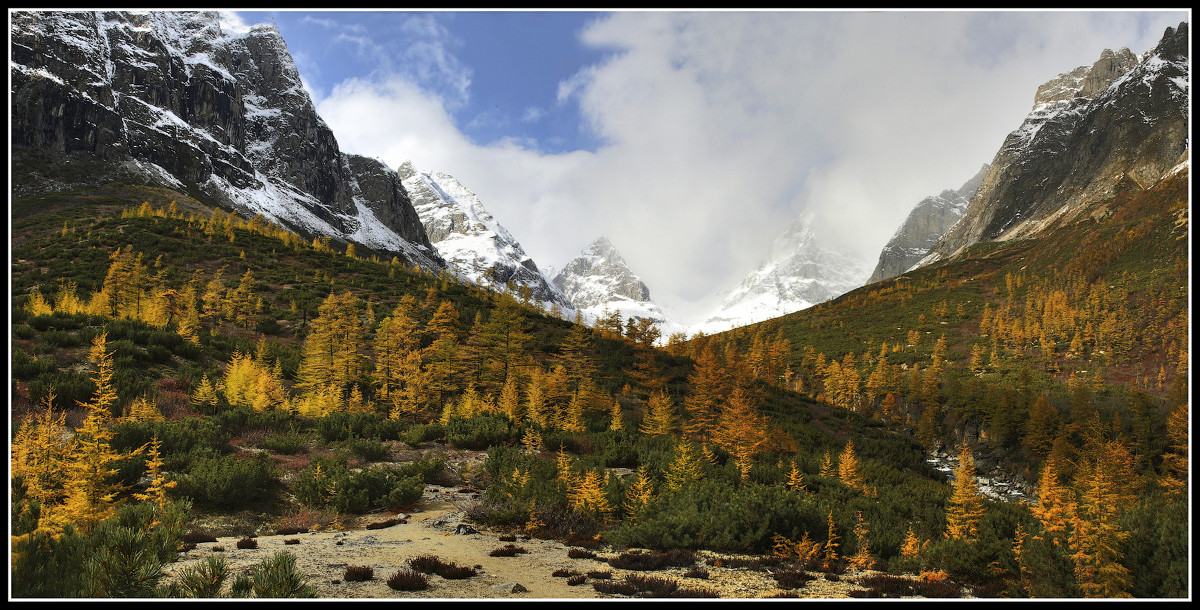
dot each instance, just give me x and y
(720, 128)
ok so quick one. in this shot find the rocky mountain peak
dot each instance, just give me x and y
(475, 246)
(169, 98)
(925, 224)
(599, 282)
(597, 275)
(1086, 81)
(1074, 148)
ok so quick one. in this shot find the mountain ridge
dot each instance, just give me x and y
(1079, 141)
(172, 99)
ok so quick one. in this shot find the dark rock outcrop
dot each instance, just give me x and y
(170, 98)
(1089, 130)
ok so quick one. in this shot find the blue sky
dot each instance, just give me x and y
(498, 72)
(692, 139)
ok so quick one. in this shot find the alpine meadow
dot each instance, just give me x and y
(247, 363)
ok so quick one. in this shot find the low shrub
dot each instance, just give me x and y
(369, 449)
(225, 481)
(407, 579)
(482, 431)
(654, 560)
(378, 525)
(576, 580)
(274, 577)
(422, 433)
(792, 579)
(580, 554)
(374, 487)
(508, 550)
(887, 585)
(431, 564)
(427, 564)
(198, 537)
(290, 442)
(653, 585)
(247, 543)
(341, 426)
(456, 572)
(358, 574)
(614, 587)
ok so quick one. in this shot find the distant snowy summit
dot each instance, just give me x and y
(800, 271)
(476, 247)
(599, 282)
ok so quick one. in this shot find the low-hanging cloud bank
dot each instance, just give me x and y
(719, 128)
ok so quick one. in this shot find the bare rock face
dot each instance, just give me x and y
(600, 283)
(925, 224)
(475, 246)
(1089, 129)
(598, 275)
(170, 98)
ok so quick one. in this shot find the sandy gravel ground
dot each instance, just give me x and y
(434, 529)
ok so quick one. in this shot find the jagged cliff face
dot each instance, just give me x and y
(599, 282)
(799, 271)
(171, 98)
(598, 275)
(925, 224)
(1089, 128)
(475, 246)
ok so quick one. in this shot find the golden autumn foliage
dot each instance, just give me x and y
(966, 503)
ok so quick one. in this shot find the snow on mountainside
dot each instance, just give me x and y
(799, 271)
(174, 98)
(599, 282)
(475, 246)
(1121, 118)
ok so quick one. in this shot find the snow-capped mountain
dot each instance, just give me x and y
(928, 221)
(1122, 118)
(474, 245)
(799, 271)
(173, 99)
(599, 282)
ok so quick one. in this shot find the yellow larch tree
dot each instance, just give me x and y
(1056, 505)
(156, 492)
(396, 337)
(205, 395)
(1097, 536)
(37, 461)
(639, 494)
(89, 491)
(848, 468)
(966, 507)
(616, 422)
(686, 468)
(659, 418)
(708, 385)
(740, 430)
(862, 558)
(795, 478)
(1174, 478)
